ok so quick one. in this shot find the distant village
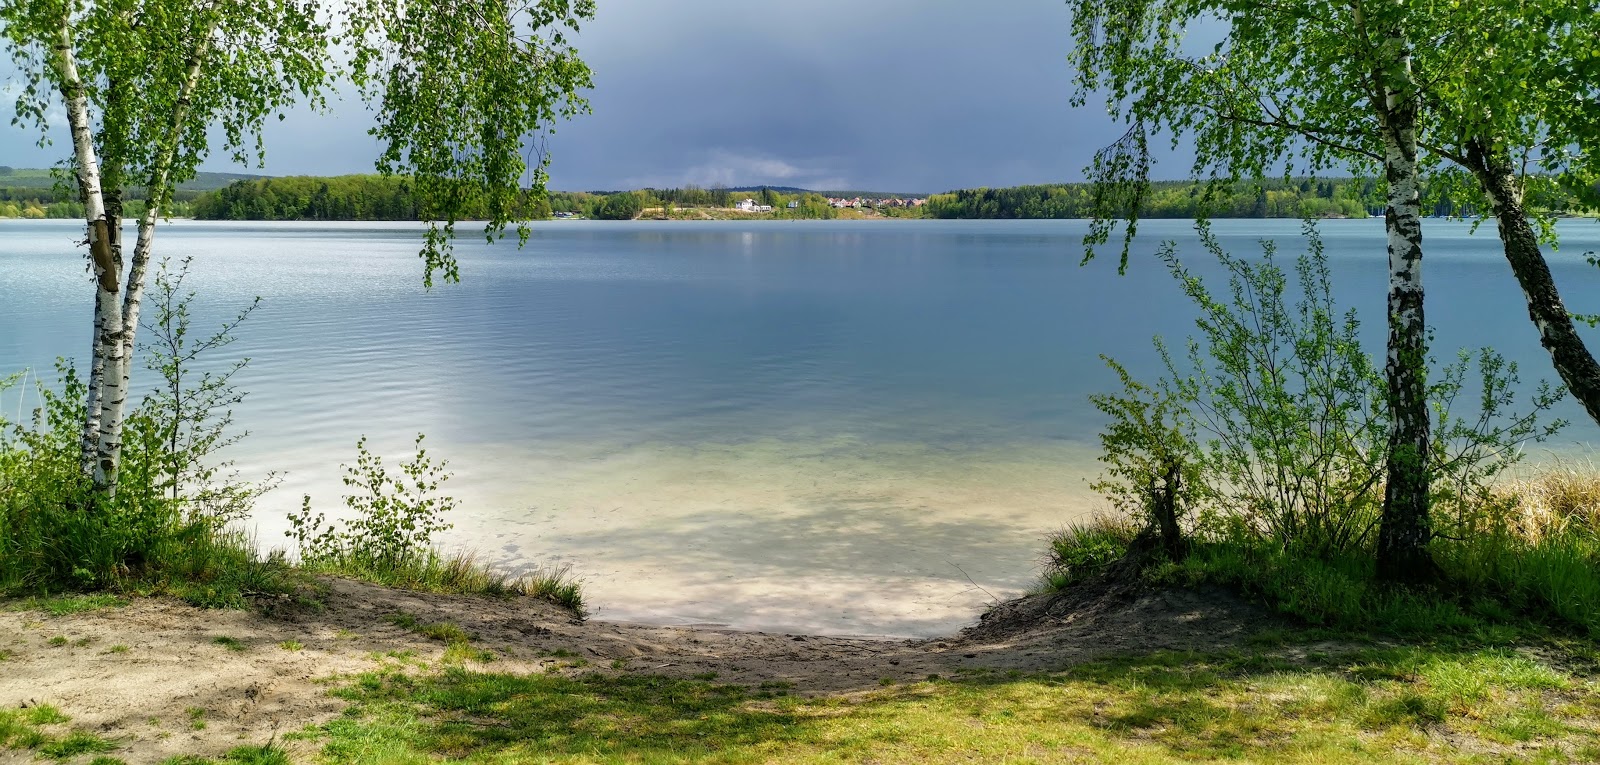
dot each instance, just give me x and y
(750, 205)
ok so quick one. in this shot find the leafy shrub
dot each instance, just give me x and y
(395, 517)
(1277, 418)
(388, 537)
(166, 527)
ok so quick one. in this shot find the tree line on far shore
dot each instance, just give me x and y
(376, 198)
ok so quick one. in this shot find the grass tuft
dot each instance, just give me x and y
(458, 574)
(1082, 550)
(230, 643)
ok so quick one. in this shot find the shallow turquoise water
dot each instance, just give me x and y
(809, 425)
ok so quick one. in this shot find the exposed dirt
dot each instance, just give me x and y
(173, 674)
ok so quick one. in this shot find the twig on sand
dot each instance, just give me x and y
(974, 583)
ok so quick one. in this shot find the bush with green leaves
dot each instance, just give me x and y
(1275, 416)
(392, 517)
(388, 533)
(167, 527)
(1274, 421)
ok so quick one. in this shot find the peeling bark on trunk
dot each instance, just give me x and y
(1405, 531)
(1557, 333)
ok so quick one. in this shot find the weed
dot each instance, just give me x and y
(197, 717)
(442, 631)
(461, 652)
(291, 645)
(74, 744)
(118, 648)
(45, 714)
(58, 641)
(230, 643)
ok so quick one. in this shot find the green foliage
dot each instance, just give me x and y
(465, 90)
(347, 197)
(186, 421)
(1081, 550)
(1283, 198)
(1277, 419)
(167, 528)
(388, 536)
(622, 206)
(395, 517)
(1277, 416)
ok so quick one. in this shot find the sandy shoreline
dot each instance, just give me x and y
(138, 673)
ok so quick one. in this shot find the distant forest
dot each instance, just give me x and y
(35, 193)
(32, 194)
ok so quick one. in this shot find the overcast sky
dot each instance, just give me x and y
(891, 95)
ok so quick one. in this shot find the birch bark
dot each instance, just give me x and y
(113, 411)
(1557, 333)
(1404, 532)
(106, 265)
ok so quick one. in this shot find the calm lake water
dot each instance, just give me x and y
(846, 427)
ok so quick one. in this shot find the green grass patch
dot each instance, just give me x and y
(1494, 587)
(459, 574)
(65, 605)
(230, 643)
(40, 729)
(441, 631)
(1370, 705)
(1082, 550)
(267, 754)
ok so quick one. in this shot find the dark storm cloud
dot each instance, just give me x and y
(910, 95)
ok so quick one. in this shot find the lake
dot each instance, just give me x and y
(842, 427)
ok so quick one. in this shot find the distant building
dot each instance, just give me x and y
(749, 205)
(794, 204)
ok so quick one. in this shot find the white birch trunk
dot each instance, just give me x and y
(1405, 532)
(116, 388)
(106, 346)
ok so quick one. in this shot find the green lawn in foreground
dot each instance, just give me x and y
(1360, 705)
(1316, 703)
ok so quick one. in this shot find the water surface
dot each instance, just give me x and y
(848, 427)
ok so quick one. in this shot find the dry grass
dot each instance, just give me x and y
(1561, 497)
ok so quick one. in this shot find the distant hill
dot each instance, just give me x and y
(34, 178)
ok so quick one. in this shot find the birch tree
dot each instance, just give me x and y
(1293, 86)
(1524, 112)
(463, 92)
